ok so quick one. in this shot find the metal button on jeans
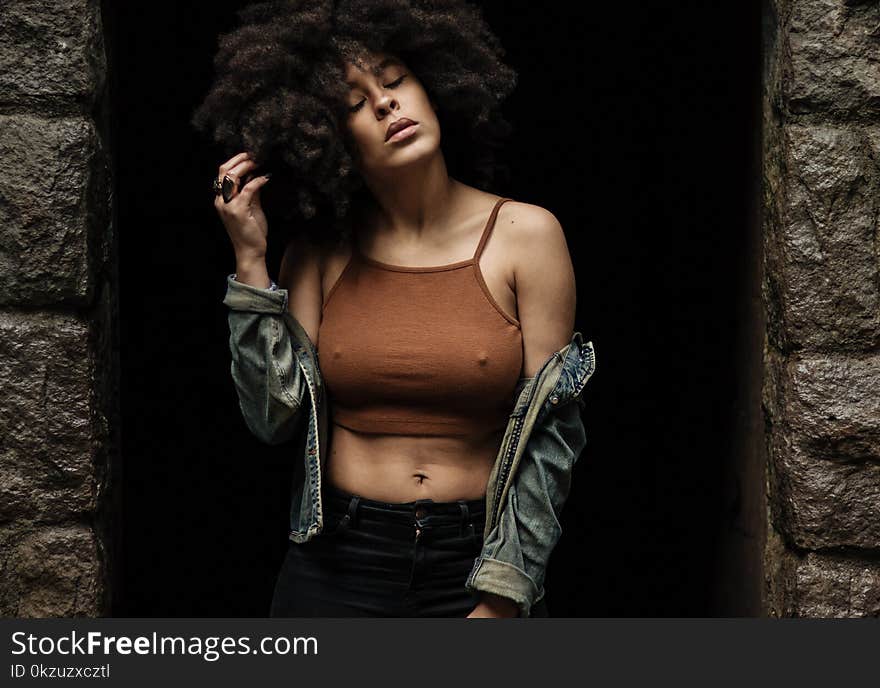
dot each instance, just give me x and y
(420, 512)
(554, 399)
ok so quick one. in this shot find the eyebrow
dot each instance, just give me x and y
(377, 70)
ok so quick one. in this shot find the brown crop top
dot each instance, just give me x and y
(418, 350)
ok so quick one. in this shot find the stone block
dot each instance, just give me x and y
(832, 60)
(54, 571)
(833, 587)
(50, 51)
(52, 176)
(47, 448)
(825, 450)
(827, 269)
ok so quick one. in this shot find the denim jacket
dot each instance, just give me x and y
(276, 374)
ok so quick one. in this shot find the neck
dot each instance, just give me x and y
(412, 202)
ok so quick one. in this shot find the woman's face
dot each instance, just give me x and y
(386, 92)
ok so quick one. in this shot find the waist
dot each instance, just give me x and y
(396, 468)
(346, 510)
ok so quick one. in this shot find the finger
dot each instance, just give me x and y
(232, 162)
(244, 195)
(239, 171)
(254, 185)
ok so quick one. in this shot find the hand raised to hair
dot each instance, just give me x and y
(243, 215)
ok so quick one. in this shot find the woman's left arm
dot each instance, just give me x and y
(544, 281)
(545, 297)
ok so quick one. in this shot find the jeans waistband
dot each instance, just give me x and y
(422, 514)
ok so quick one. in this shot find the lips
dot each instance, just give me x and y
(397, 125)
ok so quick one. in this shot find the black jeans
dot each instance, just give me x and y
(382, 559)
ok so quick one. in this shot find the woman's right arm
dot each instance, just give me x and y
(271, 388)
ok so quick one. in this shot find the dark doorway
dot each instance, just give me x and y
(635, 127)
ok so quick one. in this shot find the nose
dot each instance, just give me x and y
(386, 104)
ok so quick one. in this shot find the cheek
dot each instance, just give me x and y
(428, 113)
(432, 124)
(369, 132)
(435, 122)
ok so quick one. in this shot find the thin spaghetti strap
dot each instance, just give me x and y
(490, 223)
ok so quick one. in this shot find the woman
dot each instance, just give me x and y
(432, 303)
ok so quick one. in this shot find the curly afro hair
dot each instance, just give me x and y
(279, 93)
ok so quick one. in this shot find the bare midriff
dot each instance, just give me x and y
(400, 468)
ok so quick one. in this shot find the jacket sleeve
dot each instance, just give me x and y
(515, 556)
(265, 371)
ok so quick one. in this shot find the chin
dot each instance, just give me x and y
(420, 148)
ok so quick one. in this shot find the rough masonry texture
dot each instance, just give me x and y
(821, 289)
(58, 343)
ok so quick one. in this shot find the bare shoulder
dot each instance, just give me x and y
(534, 235)
(305, 257)
(300, 258)
(300, 273)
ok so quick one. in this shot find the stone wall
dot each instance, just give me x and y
(59, 457)
(821, 391)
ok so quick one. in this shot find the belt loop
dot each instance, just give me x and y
(467, 523)
(465, 517)
(349, 520)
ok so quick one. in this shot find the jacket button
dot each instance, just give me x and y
(554, 399)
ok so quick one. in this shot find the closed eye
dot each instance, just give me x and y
(393, 84)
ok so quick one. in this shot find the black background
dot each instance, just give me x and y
(636, 126)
